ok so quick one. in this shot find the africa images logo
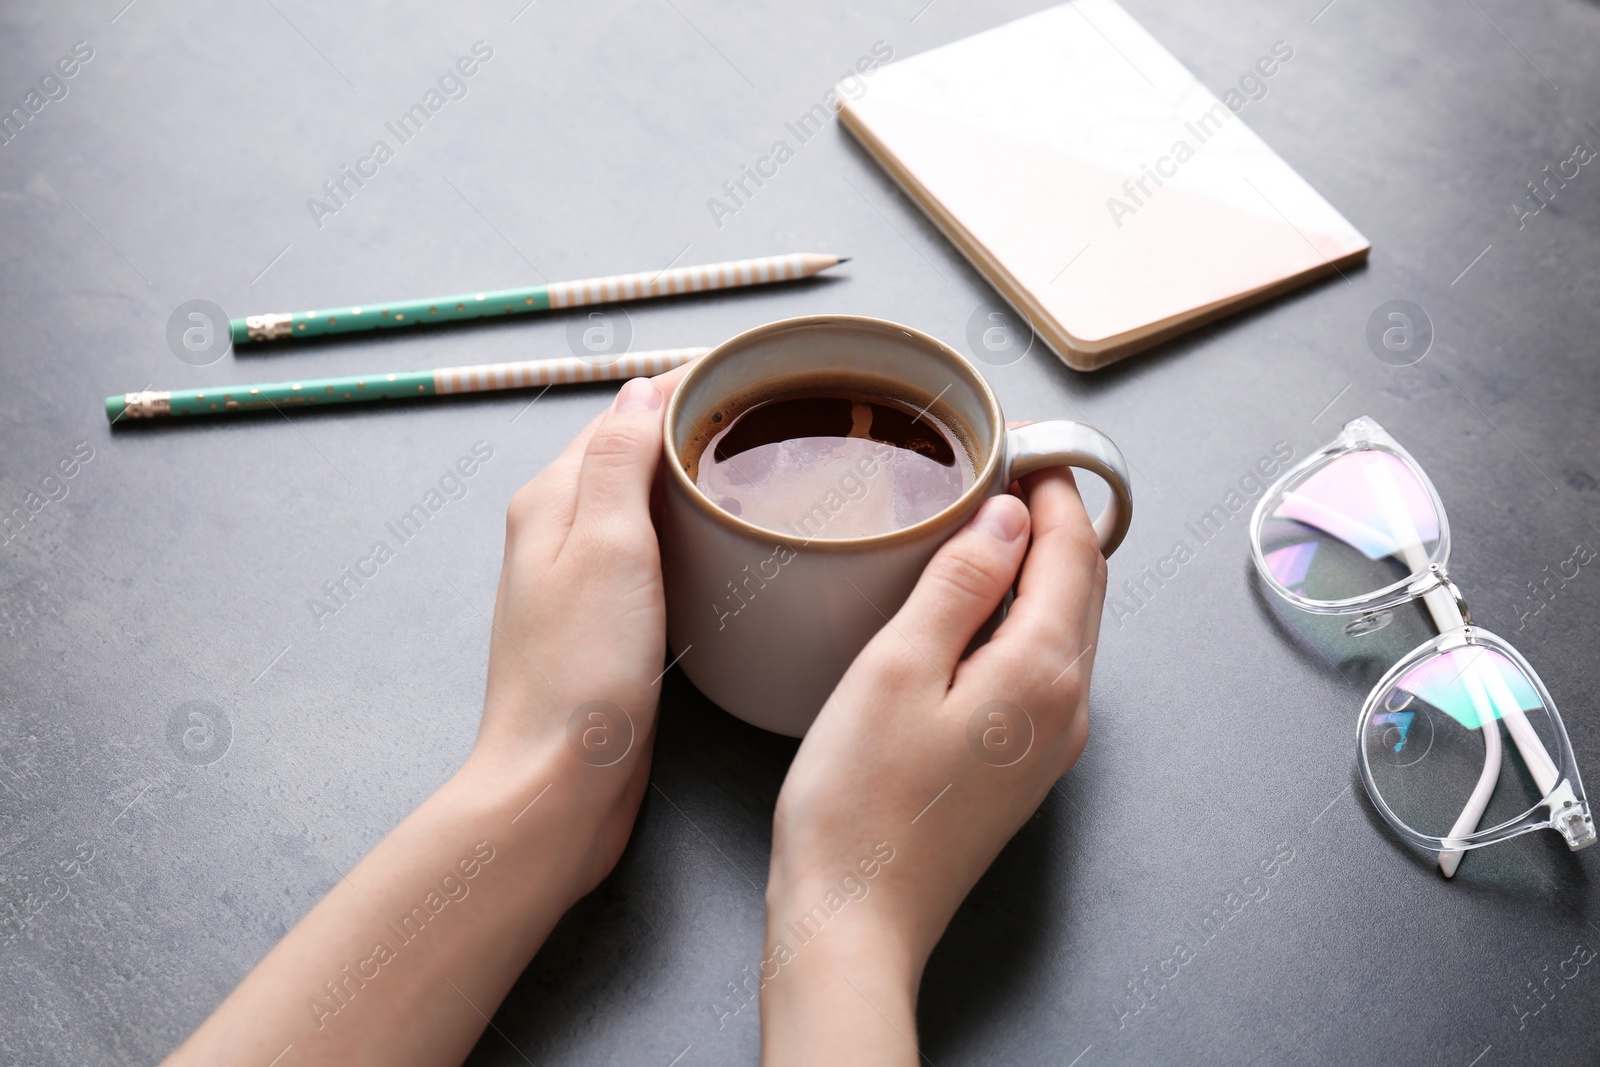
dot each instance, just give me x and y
(52, 87)
(452, 85)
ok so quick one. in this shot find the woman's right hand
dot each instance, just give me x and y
(919, 769)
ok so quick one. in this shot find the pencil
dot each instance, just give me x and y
(462, 306)
(446, 381)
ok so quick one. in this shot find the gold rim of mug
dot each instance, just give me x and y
(955, 512)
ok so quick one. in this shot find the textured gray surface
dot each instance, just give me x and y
(179, 564)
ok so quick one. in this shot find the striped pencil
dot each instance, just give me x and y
(446, 381)
(462, 306)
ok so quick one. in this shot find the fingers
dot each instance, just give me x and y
(668, 382)
(620, 454)
(1054, 618)
(1061, 524)
(619, 462)
(962, 585)
(561, 476)
(549, 502)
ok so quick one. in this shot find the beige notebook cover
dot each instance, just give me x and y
(1095, 183)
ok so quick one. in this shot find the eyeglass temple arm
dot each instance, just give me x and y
(1450, 859)
(1446, 616)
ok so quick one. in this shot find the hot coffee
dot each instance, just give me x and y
(765, 619)
(830, 460)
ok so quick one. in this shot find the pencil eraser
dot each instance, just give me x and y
(115, 406)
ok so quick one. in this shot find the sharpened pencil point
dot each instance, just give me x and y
(844, 259)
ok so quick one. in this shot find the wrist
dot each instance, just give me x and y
(836, 986)
(862, 883)
(538, 805)
(848, 925)
(572, 809)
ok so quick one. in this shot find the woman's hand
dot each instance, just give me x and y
(411, 952)
(579, 632)
(919, 769)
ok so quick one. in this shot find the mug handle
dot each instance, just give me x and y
(1062, 443)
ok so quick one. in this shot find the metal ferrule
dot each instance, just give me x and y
(146, 405)
(268, 327)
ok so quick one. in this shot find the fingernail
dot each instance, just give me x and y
(639, 394)
(1002, 518)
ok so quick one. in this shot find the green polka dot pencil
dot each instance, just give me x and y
(673, 281)
(446, 381)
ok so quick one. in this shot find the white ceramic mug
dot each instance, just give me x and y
(765, 624)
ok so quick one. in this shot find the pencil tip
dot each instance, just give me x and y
(842, 259)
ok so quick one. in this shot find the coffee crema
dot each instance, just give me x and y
(829, 461)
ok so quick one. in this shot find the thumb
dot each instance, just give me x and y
(619, 461)
(964, 583)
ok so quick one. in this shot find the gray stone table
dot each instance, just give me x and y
(175, 570)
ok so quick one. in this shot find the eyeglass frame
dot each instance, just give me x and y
(1563, 800)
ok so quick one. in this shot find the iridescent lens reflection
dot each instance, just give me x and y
(1291, 565)
(1473, 685)
(1370, 500)
(1435, 734)
(1357, 524)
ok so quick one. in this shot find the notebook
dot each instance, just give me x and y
(1107, 194)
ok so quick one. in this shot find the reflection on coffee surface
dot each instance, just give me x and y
(830, 463)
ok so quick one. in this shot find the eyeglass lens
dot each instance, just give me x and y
(1424, 744)
(1350, 527)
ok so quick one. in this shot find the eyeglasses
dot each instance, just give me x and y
(1357, 529)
